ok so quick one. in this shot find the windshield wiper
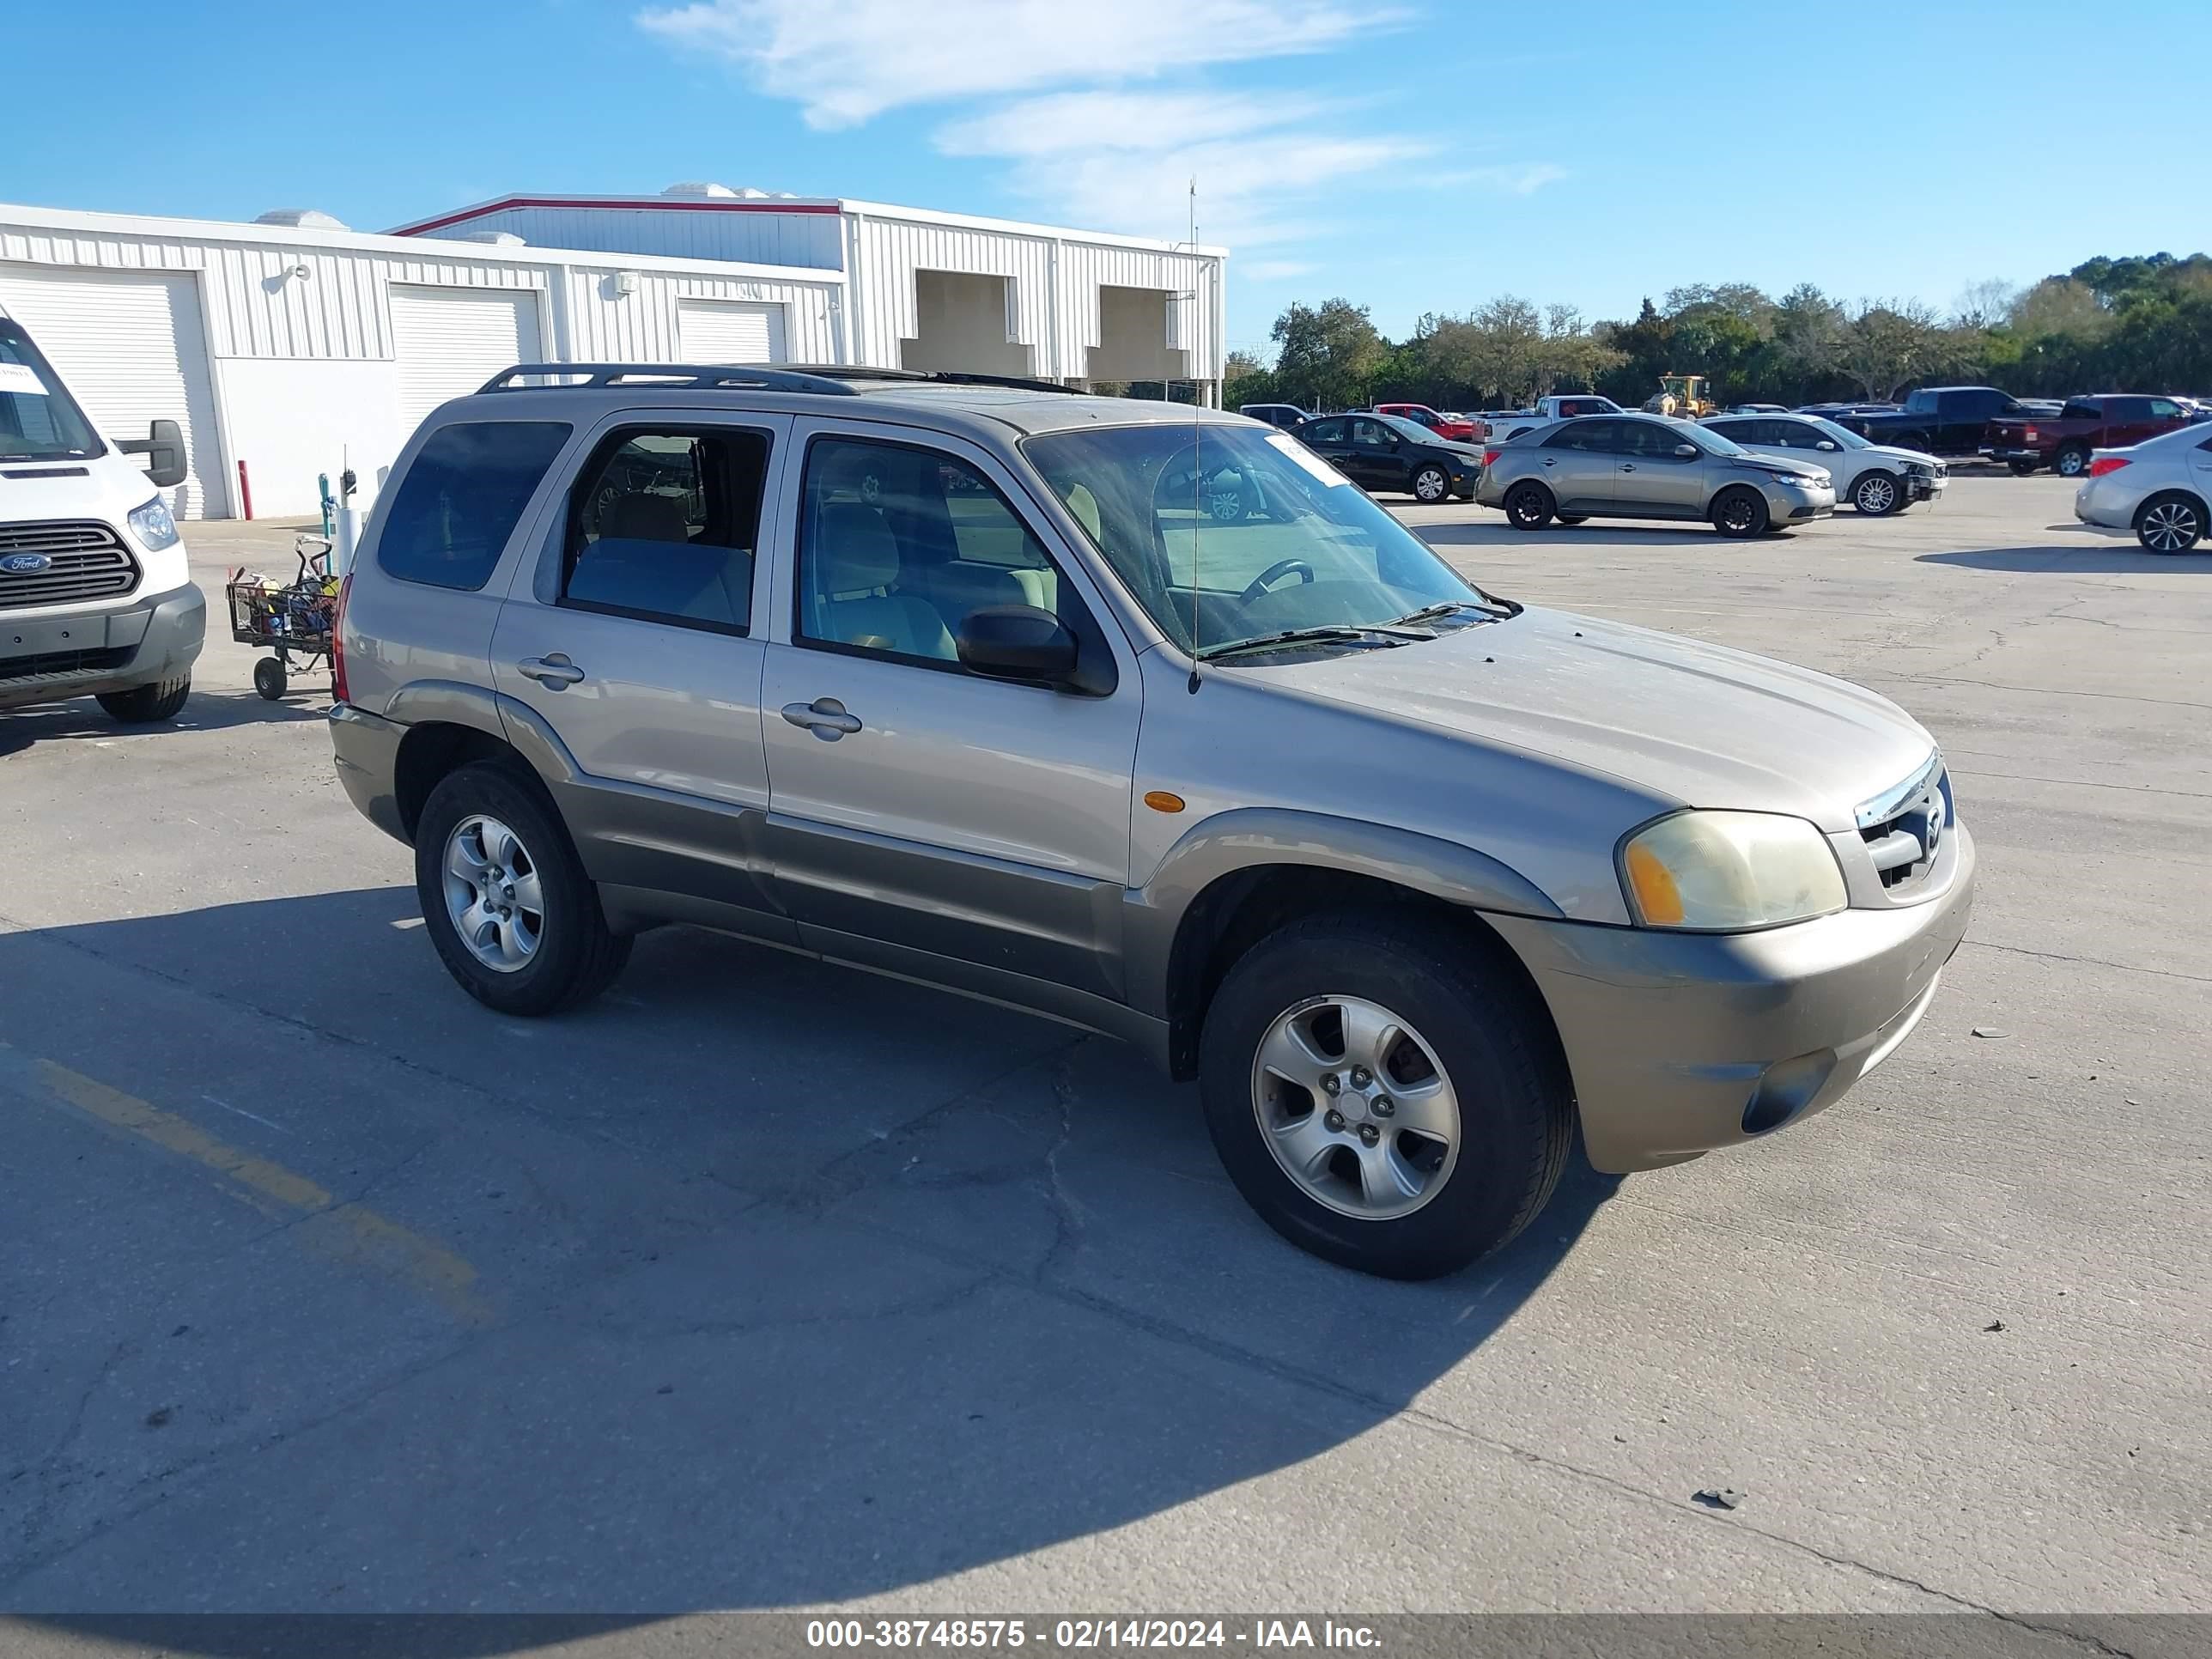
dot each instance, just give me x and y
(1496, 612)
(1330, 634)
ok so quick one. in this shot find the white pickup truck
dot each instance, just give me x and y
(94, 597)
(1551, 409)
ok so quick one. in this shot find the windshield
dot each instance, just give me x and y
(1418, 431)
(39, 419)
(1227, 534)
(1842, 435)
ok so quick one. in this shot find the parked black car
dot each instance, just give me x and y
(1382, 452)
(1936, 420)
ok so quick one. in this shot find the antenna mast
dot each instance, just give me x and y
(1197, 517)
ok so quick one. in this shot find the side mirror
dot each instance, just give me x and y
(1017, 642)
(163, 446)
(1687, 451)
(1828, 444)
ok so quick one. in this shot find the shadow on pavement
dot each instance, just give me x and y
(1610, 533)
(2079, 559)
(203, 711)
(807, 1285)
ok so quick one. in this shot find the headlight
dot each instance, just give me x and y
(153, 525)
(1721, 871)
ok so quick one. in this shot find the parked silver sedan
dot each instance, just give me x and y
(1878, 479)
(1648, 466)
(2160, 488)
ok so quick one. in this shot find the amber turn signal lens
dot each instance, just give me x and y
(1657, 895)
(1161, 801)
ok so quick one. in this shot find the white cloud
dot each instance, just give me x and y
(1045, 88)
(846, 60)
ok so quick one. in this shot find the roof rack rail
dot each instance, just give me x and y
(699, 376)
(931, 376)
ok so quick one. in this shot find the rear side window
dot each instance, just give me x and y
(2082, 409)
(1325, 431)
(2127, 409)
(1590, 437)
(664, 526)
(460, 500)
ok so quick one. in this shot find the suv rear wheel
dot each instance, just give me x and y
(1381, 1097)
(505, 899)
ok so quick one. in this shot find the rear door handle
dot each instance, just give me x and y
(825, 717)
(552, 672)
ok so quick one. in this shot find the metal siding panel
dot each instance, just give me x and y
(130, 345)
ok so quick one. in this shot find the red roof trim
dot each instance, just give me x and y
(654, 205)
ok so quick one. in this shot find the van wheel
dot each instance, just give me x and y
(1740, 512)
(147, 705)
(506, 900)
(2070, 462)
(1529, 507)
(1382, 1097)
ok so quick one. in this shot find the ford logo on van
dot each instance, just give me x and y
(24, 564)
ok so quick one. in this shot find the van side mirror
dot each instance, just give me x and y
(163, 446)
(1017, 642)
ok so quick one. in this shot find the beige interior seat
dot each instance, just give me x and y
(856, 569)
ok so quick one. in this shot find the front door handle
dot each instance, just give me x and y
(825, 717)
(1628, 466)
(552, 672)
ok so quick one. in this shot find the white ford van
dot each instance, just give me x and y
(94, 597)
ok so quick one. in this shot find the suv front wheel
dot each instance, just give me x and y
(1381, 1097)
(505, 899)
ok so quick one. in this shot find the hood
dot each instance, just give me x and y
(105, 488)
(1891, 452)
(1453, 446)
(1764, 461)
(1700, 724)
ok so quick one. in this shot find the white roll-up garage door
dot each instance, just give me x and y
(130, 345)
(725, 331)
(449, 341)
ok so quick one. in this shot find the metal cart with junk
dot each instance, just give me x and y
(292, 619)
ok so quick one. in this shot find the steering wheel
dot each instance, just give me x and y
(1267, 578)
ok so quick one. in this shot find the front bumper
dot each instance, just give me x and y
(366, 747)
(1922, 487)
(152, 641)
(2008, 453)
(1789, 506)
(1681, 1042)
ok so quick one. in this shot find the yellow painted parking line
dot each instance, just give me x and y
(352, 1233)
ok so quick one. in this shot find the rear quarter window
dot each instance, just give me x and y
(461, 499)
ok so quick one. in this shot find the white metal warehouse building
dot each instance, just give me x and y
(293, 347)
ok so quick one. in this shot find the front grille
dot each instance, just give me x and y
(85, 560)
(1905, 828)
(63, 665)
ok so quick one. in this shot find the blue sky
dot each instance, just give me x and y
(1426, 155)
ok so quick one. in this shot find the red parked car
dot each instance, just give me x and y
(2063, 443)
(1457, 429)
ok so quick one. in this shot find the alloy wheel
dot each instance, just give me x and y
(2070, 463)
(1356, 1108)
(2170, 527)
(1876, 494)
(492, 895)
(1429, 485)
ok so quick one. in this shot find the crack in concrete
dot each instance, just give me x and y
(2089, 962)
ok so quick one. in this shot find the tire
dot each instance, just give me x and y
(147, 705)
(1574, 518)
(1431, 484)
(1739, 512)
(574, 956)
(2022, 469)
(2071, 462)
(1878, 493)
(269, 678)
(1528, 506)
(2171, 522)
(1492, 1049)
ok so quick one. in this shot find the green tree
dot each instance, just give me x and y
(1328, 354)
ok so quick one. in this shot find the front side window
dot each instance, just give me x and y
(2165, 409)
(1648, 440)
(1373, 435)
(1305, 549)
(899, 545)
(664, 525)
(460, 500)
(1587, 436)
(39, 419)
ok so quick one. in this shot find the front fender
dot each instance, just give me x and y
(1251, 837)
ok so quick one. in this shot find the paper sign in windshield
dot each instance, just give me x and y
(1306, 459)
(19, 377)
